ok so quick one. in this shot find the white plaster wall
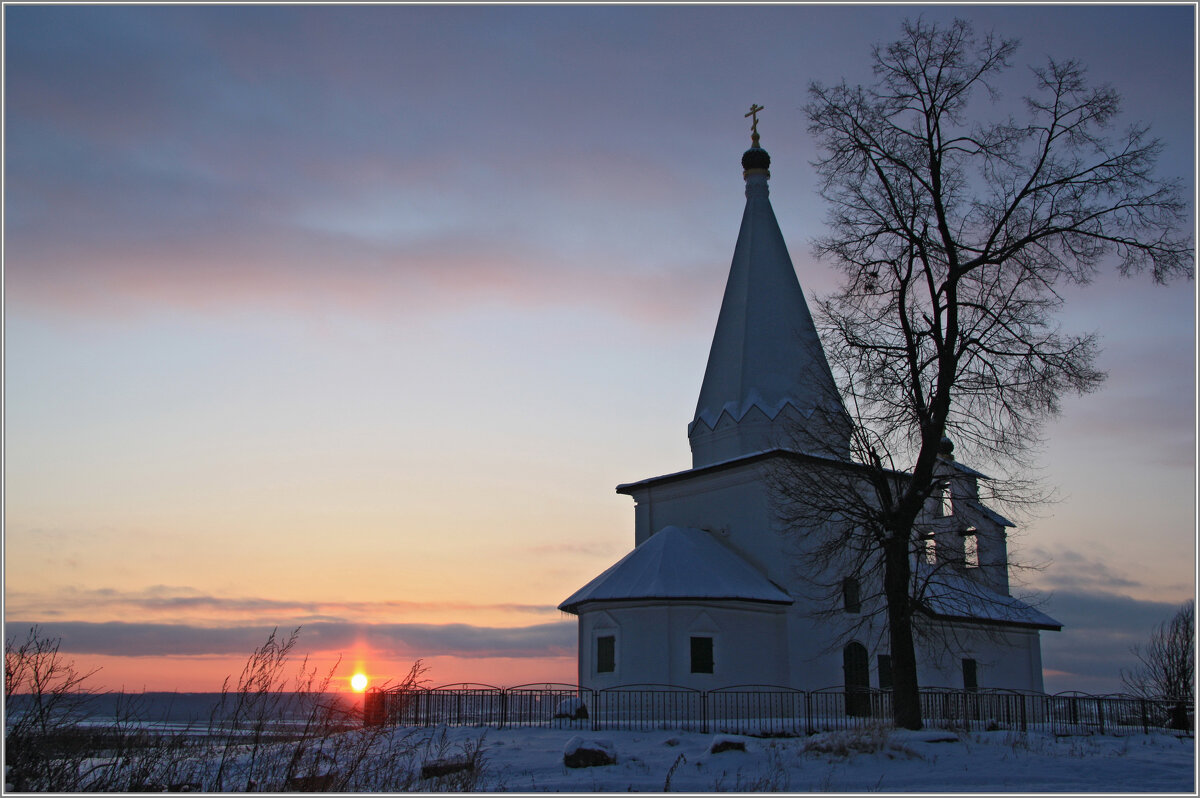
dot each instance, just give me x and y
(735, 504)
(653, 643)
(1009, 659)
(816, 660)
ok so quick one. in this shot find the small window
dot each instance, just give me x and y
(606, 654)
(851, 602)
(971, 548)
(970, 675)
(928, 550)
(945, 505)
(702, 655)
(885, 671)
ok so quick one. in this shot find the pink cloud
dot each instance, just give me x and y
(309, 272)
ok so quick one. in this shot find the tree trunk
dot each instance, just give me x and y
(906, 696)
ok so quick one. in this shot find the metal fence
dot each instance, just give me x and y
(764, 710)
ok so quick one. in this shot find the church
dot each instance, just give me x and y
(717, 591)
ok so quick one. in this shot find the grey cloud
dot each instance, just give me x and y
(1081, 573)
(417, 640)
(166, 599)
(1099, 629)
(146, 639)
(403, 640)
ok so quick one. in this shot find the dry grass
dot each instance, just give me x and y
(270, 732)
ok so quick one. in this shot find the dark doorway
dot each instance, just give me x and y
(856, 669)
(885, 671)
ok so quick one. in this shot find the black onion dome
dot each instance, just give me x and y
(946, 446)
(756, 158)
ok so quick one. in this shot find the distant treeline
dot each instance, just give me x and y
(167, 707)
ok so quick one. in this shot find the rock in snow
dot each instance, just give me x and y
(721, 744)
(444, 767)
(572, 708)
(580, 753)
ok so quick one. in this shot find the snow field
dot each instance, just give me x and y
(876, 760)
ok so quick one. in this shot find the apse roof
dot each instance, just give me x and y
(679, 563)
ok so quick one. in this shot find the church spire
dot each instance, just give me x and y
(767, 384)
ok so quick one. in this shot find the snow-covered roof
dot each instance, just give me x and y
(742, 459)
(953, 595)
(679, 563)
(989, 513)
(971, 472)
(765, 351)
(734, 462)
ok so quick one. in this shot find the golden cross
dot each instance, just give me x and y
(754, 109)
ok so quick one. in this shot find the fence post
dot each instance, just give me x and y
(1145, 718)
(373, 707)
(808, 713)
(1100, 713)
(1024, 718)
(704, 712)
(503, 708)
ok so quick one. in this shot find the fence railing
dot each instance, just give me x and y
(764, 709)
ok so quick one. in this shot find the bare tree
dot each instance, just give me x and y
(954, 236)
(1166, 669)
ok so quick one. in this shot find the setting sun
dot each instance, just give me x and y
(359, 682)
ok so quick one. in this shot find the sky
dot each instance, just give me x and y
(352, 318)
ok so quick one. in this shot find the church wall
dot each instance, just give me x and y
(816, 660)
(653, 643)
(735, 503)
(1005, 658)
(993, 557)
(731, 503)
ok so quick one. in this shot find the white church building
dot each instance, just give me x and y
(715, 592)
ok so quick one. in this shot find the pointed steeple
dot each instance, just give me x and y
(767, 383)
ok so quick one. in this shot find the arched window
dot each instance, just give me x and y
(945, 505)
(971, 547)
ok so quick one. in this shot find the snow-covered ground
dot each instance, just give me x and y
(528, 760)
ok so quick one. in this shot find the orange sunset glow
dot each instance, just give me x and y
(302, 333)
